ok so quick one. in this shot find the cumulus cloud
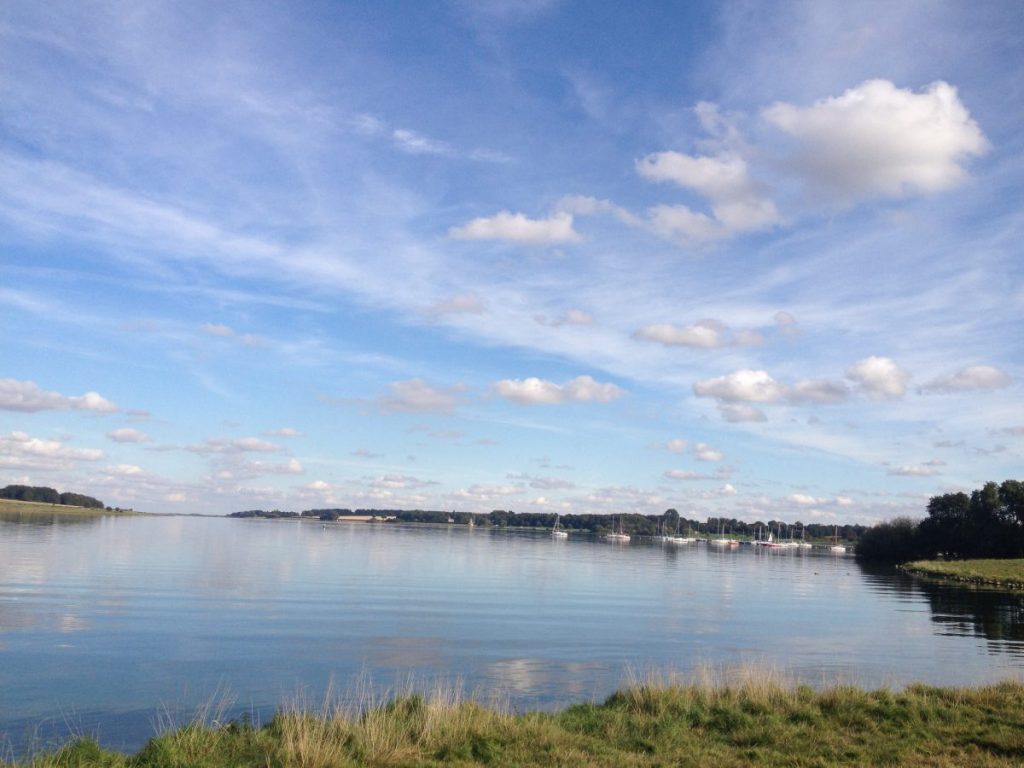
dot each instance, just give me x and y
(517, 227)
(880, 377)
(705, 452)
(704, 334)
(28, 397)
(128, 435)
(18, 449)
(416, 395)
(742, 386)
(975, 377)
(676, 446)
(737, 203)
(880, 140)
(534, 391)
(736, 391)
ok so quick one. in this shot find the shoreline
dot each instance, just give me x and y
(999, 573)
(750, 717)
(16, 507)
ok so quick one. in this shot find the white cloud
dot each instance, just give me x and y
(416, 395)
(705, 452)
(879, 377)
(742, 386)
(418, 144)
(18, 449)
(128, 435)
(124, 470)
(399, 482)
(283, 432)
(975, 377)
(727, 490)
(570, 317)
(880, 140)
(676, 446)
(818, 391)
(802, 499)
(913, 470)
(517, 227)
(534, 391)
(592, 206)
(26, 396)
(737, 204)
(706, 334)
(687, 474)
(237, 445)
(741, 412)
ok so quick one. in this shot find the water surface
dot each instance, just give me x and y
(107, 622)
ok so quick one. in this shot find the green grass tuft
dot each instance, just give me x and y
(732, 718)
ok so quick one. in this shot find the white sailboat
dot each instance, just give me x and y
(557, 531)
(836, 546)
(617, 534)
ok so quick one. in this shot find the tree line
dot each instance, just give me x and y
(46, 495)
(669, 521)
(989, 523)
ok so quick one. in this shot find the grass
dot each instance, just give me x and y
(721, 720)
(14, 507)
(1006, 573)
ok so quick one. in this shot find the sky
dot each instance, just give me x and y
(743, 259)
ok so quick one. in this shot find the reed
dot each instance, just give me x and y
(714, 716)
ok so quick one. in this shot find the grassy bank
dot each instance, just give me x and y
(1003, 573)
(13, 507)
(752, 720)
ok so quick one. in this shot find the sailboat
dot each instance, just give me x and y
(557, 531)
(617, 534)
(836, 546)
(722, 540)
(803, 543)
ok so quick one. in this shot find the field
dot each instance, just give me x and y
(10, 506)
(1004, 573)
(749, 719)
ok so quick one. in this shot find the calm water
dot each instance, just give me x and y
(105, 623)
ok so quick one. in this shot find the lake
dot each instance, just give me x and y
(110, 626)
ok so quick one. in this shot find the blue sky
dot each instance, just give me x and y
(753, 259)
